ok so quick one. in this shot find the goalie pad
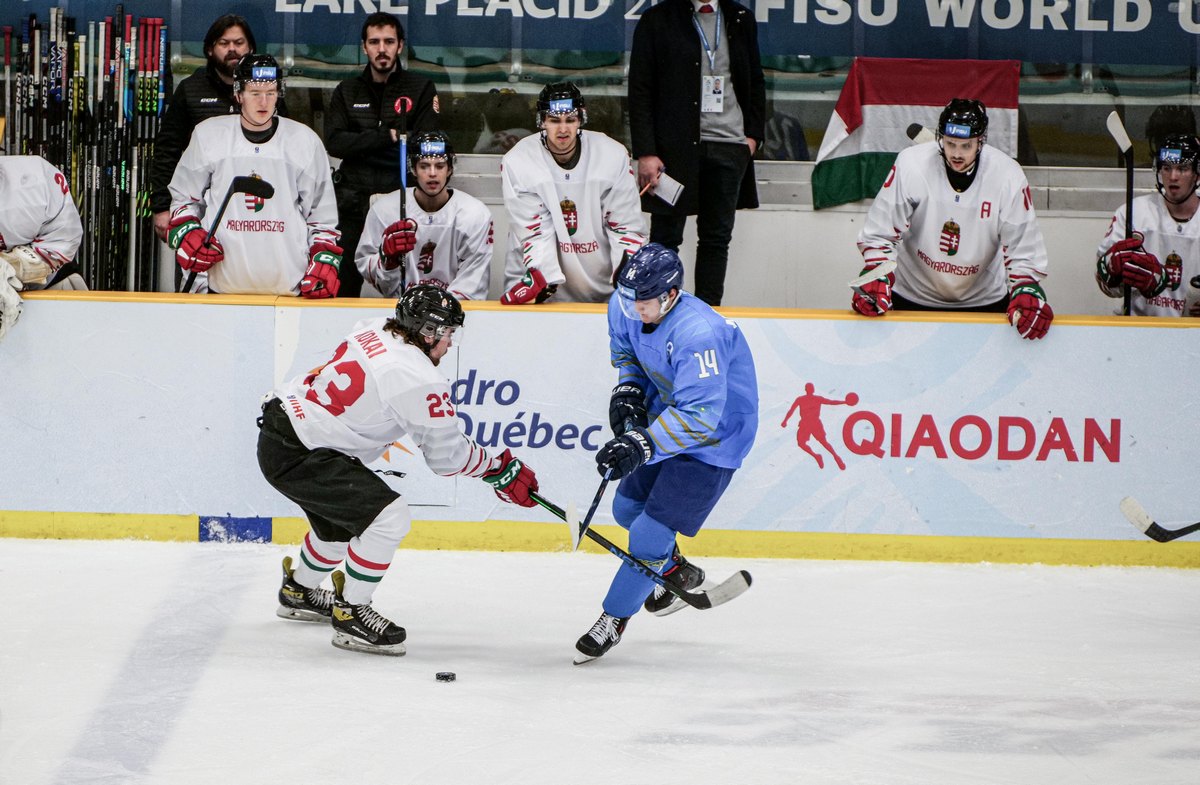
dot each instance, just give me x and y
(29, 265)
(10, 301)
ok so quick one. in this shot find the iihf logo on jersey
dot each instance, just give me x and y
(425, 258)
(948, 242)
(570, 215)
(1174, 267)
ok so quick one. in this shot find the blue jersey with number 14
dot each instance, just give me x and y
(698, 374)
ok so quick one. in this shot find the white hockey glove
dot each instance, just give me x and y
(29, 265)
(10, 301)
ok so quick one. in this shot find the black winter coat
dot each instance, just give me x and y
(359, 122)
(664, 94)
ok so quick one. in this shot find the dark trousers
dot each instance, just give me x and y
(902, 303)
(722, 166)
(352, 214)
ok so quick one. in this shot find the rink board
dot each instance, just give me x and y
(133, 416)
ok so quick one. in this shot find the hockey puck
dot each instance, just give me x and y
(446, 676)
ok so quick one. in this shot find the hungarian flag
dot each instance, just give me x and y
(882, 97)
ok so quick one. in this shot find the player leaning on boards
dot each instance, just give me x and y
(1162, 255)
(684, 414)
(283, 245)
(959, 221)
(318, 432)
(446, 240)
(573, 207)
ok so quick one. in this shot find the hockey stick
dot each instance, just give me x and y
(402, 104)
(1141, 519)
(577, 528)
(720, 594)
(882, 270)
(241, 184)
(1121, 137)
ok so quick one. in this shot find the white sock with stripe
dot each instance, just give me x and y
(317, 559)
(370, 554)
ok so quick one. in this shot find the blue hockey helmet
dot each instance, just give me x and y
(650, 274)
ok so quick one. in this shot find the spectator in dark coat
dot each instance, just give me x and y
(685, 121)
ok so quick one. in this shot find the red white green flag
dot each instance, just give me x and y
(882, 97)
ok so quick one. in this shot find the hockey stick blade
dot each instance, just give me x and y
(919, 134)
(255, 186)
(733, 586)
(874, 274)
(1138, 516)
(1117, 129)
(572, 519)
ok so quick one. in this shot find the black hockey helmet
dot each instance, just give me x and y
(430, 144)
(257, 68)
(561, 98)
(1177, 150)
(429, 311)
(963, 118)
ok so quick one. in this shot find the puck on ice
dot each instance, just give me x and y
(446, 676)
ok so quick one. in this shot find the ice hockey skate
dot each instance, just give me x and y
(361, 627)
(300, 603)
(683, 574)
(603, 635)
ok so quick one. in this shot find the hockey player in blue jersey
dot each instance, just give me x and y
(684, 414)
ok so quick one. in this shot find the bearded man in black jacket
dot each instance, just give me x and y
(366, 116)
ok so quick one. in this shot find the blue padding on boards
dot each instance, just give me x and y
(230, 529)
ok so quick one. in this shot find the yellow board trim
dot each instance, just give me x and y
(553, 537)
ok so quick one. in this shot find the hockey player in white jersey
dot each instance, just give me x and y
(573, 207)
(959, 221)
(1160, 260)
(446, 238)
(40, 232)
(319, 430)
(287, 244)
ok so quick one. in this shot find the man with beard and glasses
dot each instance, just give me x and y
(208, 92)
(363, 127)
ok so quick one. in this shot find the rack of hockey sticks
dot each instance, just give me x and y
(90, 102)
(733, 586)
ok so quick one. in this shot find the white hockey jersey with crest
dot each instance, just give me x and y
(454, 246)
(572, 224)
(375, 390)
(266, 241)
(1176, 246)
(955, 250)
(36, 209)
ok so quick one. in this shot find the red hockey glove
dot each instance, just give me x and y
(622, 455)
(876, 297)
(531, 288)
(187, 237)
(1029, 312)
(398, 239)
(512, 480)
(321, 277)
(1143, 272)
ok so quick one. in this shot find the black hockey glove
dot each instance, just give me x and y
(627, 408)
(624, 454)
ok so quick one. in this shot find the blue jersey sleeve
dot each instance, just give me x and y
(692, 387)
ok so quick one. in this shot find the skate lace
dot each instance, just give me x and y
(602, 629)
(372, 619)
(319, 598)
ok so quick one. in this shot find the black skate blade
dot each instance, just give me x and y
(299, 614)
(350, 643)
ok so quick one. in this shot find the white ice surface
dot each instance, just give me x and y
(157, 663)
